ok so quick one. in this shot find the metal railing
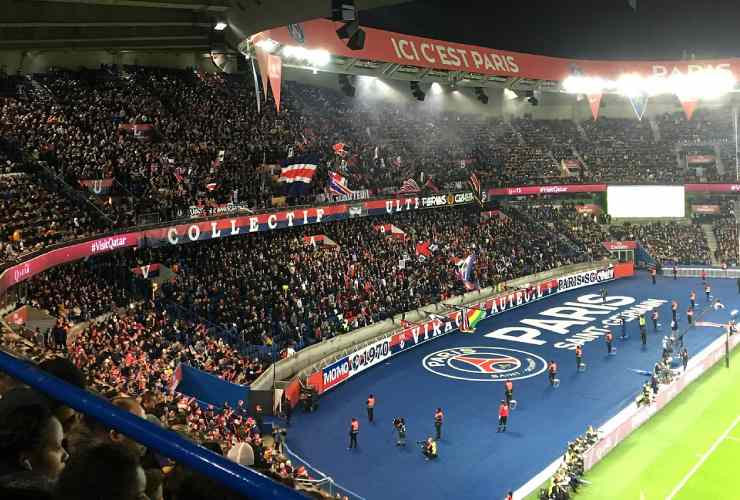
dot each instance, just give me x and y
(240, 479)
(696, 272)
(319, 479)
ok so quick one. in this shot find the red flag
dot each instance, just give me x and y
(429, 184)
(423, 249)
(594, 100)
(689, 105)
(275, 72)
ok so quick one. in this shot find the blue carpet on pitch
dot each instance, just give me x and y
(475, 461)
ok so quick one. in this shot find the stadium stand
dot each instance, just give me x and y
(86, 151)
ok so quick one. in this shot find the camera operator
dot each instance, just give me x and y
(399, 423)
(428, 448)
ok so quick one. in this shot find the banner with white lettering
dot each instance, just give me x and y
(225, 227)
(416, 334)
(403, 49)
(147, 271)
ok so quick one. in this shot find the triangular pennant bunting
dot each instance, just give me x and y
(594, 100)
(639, 104)
(275, 72)
(689, 105)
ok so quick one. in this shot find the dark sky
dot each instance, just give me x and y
(596, 29)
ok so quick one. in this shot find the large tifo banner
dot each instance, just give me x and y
(346, 367)
(221, 228)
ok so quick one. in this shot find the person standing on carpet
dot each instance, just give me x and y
(654, 317)
(439, 417)
(690, 317)
(509, 391)
(692, 298)
(579, 357)
(259, 417)
(609, 338)
(400, 425)
(708, 291)
(354, 430)
(653, 273)
(674, 309)
(623, 325)
(552, 371)
(370, 408)
(684, 358)
(503, 416)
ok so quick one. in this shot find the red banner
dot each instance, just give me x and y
(694, 159)
(141, 131)
(319, 239)
(18, 317)
(76, 251)
(589, 208)
(275, 73)
(712, 188)
(404, 49)
(689, 105)
(705, 209)
(537, 190)
(620, 245)
(594, 101)
(147, 271)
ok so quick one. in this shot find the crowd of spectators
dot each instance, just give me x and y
(668, 242)
(172, 139)
(583, 229)
(725, 232)
(32, 214)
(50, 451)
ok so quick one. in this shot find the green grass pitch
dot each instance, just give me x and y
(690, 450)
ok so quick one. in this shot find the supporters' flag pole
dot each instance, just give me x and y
(475, 188)
(469, 317)
(256, 86)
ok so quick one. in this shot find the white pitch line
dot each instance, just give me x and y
(703, 459)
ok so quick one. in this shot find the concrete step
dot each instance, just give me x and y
(711, 242)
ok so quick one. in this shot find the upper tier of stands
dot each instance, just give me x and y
(72, 120)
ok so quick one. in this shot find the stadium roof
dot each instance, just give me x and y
(583, 29)
(314, 45)
(130, 25)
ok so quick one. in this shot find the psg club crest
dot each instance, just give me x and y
(296, 33)
(484, 364)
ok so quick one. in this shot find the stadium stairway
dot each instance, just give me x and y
(712, 242)
(578, 154)
(655, 129)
